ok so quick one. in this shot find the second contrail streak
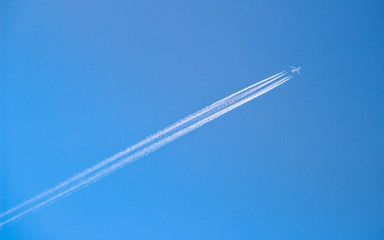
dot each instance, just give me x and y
(144, 147)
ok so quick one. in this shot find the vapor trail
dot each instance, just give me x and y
(223, 102)
(164, 137)
(162, 133)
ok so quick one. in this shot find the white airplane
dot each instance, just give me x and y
(295, 69)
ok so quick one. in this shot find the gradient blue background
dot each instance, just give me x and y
(81, 80)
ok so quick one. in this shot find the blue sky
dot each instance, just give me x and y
(81, 80)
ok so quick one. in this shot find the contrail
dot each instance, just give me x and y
(157, 140)
(149, 139)
(162, 133)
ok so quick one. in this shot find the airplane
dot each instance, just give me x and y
(295, 69)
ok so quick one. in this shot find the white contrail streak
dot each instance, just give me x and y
(223, 102)
(149, 139)
(164, 137)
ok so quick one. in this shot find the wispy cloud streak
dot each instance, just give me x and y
(144, 147)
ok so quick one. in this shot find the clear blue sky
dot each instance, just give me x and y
(81, 80)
